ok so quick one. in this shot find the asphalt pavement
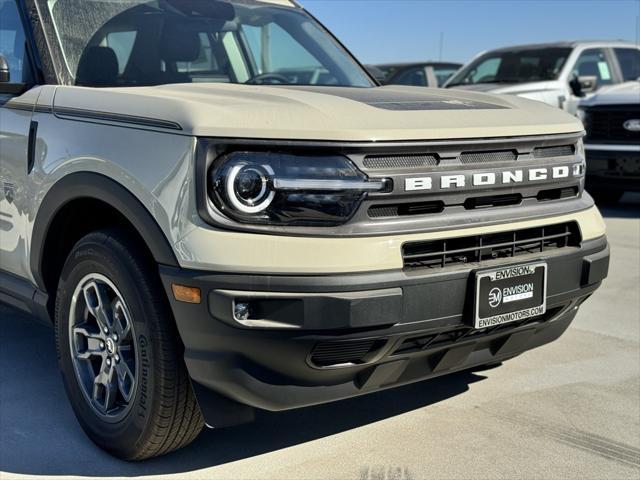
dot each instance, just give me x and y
(567, 410)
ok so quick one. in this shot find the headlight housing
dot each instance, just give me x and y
(285, 189)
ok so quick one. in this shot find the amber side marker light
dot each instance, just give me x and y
(186, 294)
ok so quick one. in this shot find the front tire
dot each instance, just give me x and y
(119, 350)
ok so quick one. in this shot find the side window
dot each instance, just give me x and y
(414, 76)
(594, 63)
(12, 41)
(629, 60)
(205, 63)
(122, 44)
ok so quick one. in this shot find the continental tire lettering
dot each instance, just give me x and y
(145, 365)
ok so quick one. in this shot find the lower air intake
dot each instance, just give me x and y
(335, 354)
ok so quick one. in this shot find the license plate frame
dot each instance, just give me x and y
(505, 288)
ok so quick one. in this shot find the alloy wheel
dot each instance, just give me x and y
(103, 349)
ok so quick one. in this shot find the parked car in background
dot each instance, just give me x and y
(612, 121)
(419, 74)
(559, 74)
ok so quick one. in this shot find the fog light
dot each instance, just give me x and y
(241, 312)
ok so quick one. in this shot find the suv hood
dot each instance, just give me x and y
(391, 113)
(623, 94)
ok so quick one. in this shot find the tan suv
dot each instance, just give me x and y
(220, 211)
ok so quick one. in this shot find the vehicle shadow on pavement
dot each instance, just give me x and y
(40, 436)
(629, 207)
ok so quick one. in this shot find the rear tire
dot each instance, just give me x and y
(119, 350)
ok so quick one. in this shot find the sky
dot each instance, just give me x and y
(379, 31)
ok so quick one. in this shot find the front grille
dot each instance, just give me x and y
(607, 123)
(480, 248)
(488, 157)
(550, 152)
(331, 354)
(391, 162)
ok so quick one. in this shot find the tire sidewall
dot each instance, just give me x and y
(94, 257)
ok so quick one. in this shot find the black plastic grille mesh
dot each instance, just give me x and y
(488, 157)
(340, 353)
(607, 123)
(391, 162)
(479, 248)
(559, 151)
(406, 209)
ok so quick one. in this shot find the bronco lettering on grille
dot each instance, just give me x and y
(483, 179)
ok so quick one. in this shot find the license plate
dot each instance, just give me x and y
(510, 294)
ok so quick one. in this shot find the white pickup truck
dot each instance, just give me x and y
(560, 74)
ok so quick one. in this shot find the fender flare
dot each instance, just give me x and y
(97, 187)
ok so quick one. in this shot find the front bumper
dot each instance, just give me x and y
(613, 168)
(393, 327)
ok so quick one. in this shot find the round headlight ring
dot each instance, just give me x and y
(264, 194)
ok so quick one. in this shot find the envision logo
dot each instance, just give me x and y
(495, 297)
(632, 125)
(506, 177)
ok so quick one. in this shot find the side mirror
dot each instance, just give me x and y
(580, 86)
(5, 75)
(6, 85)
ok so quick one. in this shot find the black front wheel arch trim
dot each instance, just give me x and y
(95, 186)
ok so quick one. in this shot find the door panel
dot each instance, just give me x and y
(15, 119)
(14, 131)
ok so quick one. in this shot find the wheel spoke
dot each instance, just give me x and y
(121, 320)
(97, 301)
(105, 390)
(87, 344)
(126, 380)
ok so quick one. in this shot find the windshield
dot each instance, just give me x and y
(520, 66)
(111, 43)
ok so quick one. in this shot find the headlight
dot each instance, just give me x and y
(249, 187)
(285, 189)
